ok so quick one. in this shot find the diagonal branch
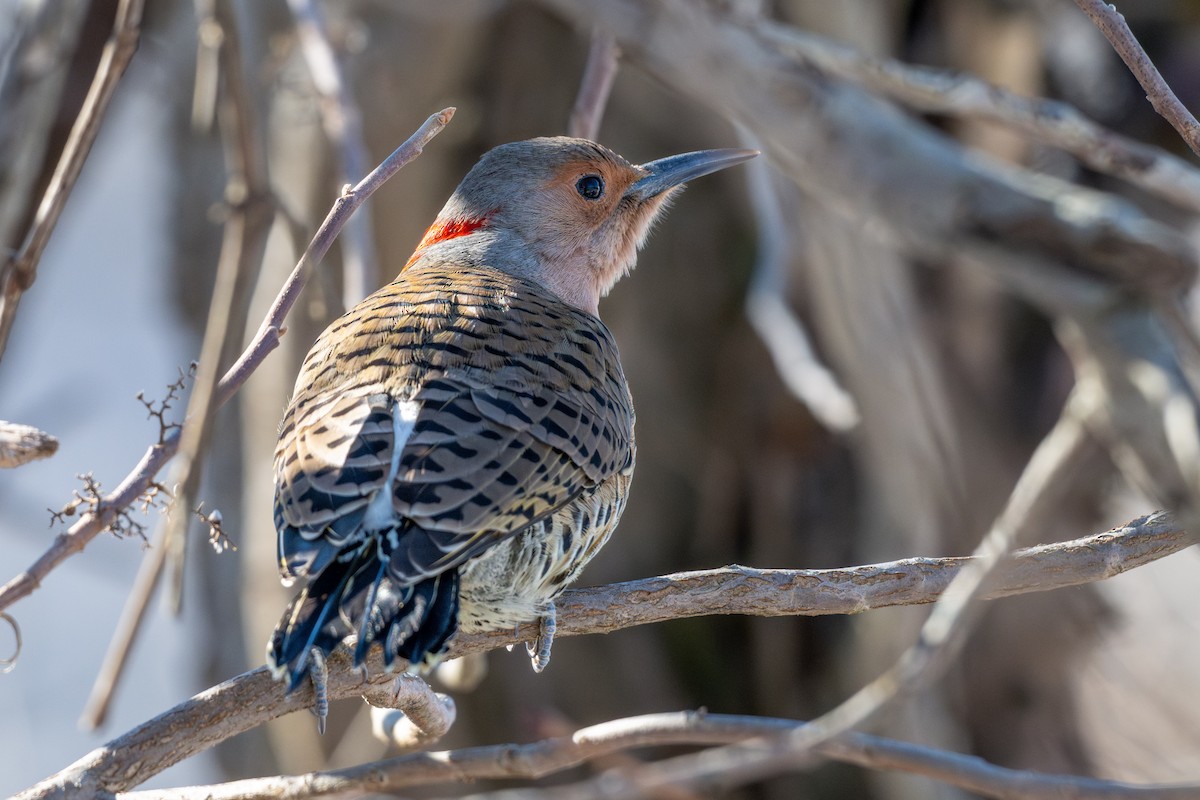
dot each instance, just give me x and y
(253, 698)
(1112, 24)
(91, 524)
(18, 272)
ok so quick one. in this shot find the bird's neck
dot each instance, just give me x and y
(473, 241)
(446, 228)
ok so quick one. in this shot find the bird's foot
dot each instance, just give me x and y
(539, 648)
(319, 674)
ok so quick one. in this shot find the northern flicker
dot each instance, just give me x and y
(460, 444)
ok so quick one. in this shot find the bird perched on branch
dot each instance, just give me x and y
(460, 444)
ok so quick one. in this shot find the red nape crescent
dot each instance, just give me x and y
(449, 229)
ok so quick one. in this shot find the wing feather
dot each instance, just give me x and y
(522, 406)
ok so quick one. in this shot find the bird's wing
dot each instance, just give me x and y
(490, 414)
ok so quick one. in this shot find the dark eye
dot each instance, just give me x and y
(590, 187)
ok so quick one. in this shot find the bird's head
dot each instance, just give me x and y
(566, 213)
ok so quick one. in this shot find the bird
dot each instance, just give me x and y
(461, 443)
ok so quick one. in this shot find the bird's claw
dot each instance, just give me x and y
(318, 673)
(539, 648)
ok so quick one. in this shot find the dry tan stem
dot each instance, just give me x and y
(91, 524)
(18, 273)
(598, 76)
(247, 194)
(963, 95)
(1112, 24)
(678, 728)
(343, 127)
(20, 444)
(779, 328)
(249, 700)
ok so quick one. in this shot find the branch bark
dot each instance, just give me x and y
(1112, 24)
(668, 729)
(253, 698)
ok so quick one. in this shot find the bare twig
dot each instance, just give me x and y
(598, 76)
(128, 626)
(20, 444)
(774, 321)
(265, 340)
(18, 272)
(549, 756)
(409, 714)
(343, 127)
(251, 699)
(1112, 24)
(964, 95)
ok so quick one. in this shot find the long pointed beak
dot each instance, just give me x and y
(667, 173)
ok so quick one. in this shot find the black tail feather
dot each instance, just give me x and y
(355, 595)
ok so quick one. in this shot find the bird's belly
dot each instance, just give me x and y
(514, 581)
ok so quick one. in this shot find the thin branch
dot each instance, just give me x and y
(253, 698)
(91, 524)
(244, 240)
(343, 128)
(964, 95)
(1112, 24)
(683, 728)
(18, 272)
(598, 76)
(20, 444)
(779, 328)
(128, 626)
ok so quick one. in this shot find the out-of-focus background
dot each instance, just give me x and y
(955, 378)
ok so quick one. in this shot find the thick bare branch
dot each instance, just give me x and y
(964, 95)
(251, 699)
(1112, 24)
(91, 524)
(679, 728)
(18, 272)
